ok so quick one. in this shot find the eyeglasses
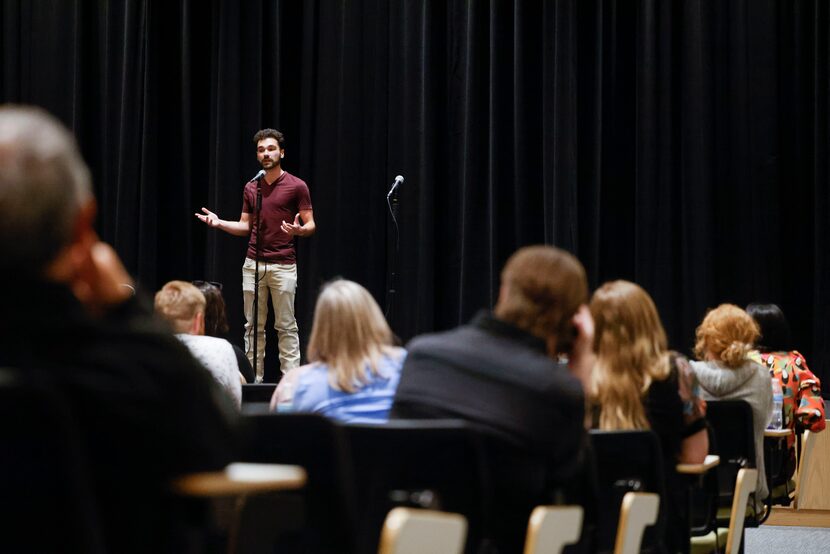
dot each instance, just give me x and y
(200, 283)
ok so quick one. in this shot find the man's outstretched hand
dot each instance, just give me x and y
(209, 218)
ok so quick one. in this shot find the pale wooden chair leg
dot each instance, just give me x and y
(745, 484)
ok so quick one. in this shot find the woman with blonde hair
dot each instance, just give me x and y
(354, 369)
(723, 343)
(638, 384)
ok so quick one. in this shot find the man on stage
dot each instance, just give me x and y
(286, 212)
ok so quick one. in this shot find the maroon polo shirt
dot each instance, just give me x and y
(281, 201)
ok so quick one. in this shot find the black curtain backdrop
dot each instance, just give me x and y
(679, 144)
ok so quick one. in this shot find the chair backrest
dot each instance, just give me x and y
(744, 484)
(258, 392)
(414, 531)
(703, 496)
(436, 464)
(551, 528)
(734, 438)
(627, 461)
(318, 445)
(638, 511)
(46, 500)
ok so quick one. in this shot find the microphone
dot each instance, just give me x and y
(395, 185)
(258, 175)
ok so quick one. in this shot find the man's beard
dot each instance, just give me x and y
(269, 163)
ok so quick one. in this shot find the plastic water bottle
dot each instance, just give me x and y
(776, 420)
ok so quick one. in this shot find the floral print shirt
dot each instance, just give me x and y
(802, 390)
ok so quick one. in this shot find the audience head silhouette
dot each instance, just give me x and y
(727, 334)
(631, 349)
(541, 289)
(775, 331)
(183, 306)
(349, 332)
(216, 319)
(44, 190)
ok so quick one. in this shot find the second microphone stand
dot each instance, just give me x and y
(392, 256)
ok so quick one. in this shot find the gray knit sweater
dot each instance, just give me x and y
(751, 383)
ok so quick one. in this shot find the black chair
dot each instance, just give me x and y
(732, 424)
(46, 500)
(258, 392)
(327, 501)
(437, 464)
(627, 461)
(780, 467)
(704, 493)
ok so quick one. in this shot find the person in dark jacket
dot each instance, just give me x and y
(517, 375)
(146, 411)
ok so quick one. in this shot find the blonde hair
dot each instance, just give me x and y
(178, 302)
(631, 349)
(542, 288)
(349, 333)
(728, 333)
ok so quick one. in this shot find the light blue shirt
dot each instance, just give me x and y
(369, 404)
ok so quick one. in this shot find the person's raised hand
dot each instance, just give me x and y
(209, 218)
(99, 281)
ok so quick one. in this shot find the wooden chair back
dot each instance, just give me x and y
(414, 531)
(638, 511)
(551, 528)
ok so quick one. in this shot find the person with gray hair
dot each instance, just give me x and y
(67, 320)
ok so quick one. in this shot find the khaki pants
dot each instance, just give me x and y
(281, 281)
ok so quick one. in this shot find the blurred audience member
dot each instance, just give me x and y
(216, 323)
(67, 320)
(506, 374)
(638, 384)
(183, 306)
(354, 368)
(803, 404)
(723, 342)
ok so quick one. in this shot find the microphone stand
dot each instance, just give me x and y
(392, 258)
(256, 274)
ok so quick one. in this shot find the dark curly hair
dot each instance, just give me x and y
(270, 133)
